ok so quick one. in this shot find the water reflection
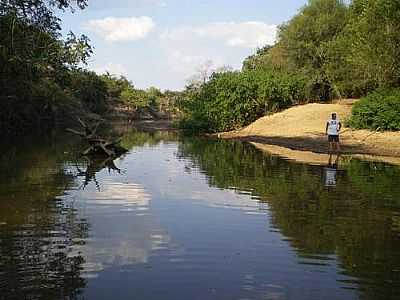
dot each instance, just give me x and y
(37, 231)
(126, 233)
(95, 164)
(48, 207)
(355, 223)
(118, 210)
(330, 171)
(195, 219)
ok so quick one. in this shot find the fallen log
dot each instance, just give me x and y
(97, 145)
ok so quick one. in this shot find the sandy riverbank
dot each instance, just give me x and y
(301, 130)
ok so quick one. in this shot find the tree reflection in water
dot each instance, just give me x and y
(42, 237)
(37, 230)
(95, 164)
(44, 252)
(357, 220)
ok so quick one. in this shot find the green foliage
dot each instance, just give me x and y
(151, 101)
(115, 85)
(135, 98)
(263, 59)
(90, 89)
(41, 81)
(335, 48)
(231, 100)
(305, 41)
(33, 58)
(375, 32)
(345, 50)
(39, 14)
(379, 110)
(331, 48)
(364, 56)
(305, 36)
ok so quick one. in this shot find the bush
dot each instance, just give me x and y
(231, 100)
(378, 110)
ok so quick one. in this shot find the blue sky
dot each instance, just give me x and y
(163, 43)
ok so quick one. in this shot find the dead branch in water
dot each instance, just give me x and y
(97, 145)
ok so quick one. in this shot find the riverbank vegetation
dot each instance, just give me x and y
(42, 79)
(379, 110)
(233, 99)
(331, 49)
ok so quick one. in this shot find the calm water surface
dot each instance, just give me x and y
(194, 219)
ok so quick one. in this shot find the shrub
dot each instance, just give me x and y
(378, 110)
(231, 100)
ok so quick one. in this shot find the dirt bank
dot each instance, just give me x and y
(303, 128)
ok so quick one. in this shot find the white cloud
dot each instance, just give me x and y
(250, 34)
(114, 69)
(181, 62)
(121, 29)
(188, 48)
(179, 52)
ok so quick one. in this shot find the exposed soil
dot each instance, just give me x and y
(303, 128)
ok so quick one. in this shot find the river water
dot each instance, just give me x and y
(191, 218)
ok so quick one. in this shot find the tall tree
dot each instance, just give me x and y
(305, 38)
(33, 57)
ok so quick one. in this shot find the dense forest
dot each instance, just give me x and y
(331, 49)
(42, 76)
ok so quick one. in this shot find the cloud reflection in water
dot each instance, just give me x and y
(129, 241)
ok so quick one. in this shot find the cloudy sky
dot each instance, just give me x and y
(163, 42)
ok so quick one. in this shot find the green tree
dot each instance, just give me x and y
(134, 98)
(154, 95)
(32, 56)
(90, 89)
(305, 42)
(375, 32)
(115, 85)
(230, 100)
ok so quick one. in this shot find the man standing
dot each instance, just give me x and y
(332, 129)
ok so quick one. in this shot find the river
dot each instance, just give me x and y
(192, 218)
